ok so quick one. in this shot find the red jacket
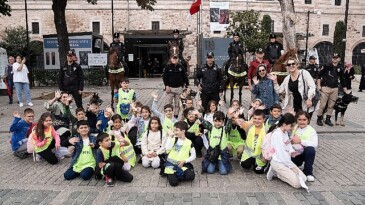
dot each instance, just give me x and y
(253, 67)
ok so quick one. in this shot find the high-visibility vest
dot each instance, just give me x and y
(253, 145)
(86, 159)
(124, 101)
(177, 154)
(48, 137)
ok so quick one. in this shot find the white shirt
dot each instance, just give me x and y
(170, 143)
(20, 76)
(153, 143)
(283, 148)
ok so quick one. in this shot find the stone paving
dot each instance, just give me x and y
(339, 170)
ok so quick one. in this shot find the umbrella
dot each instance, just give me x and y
(8, 88)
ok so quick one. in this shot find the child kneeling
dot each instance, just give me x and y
(110, 162)
(83, 161)
(180, 152)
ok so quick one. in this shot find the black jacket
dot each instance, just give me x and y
(234, 47)
(313, 69)
(71, 77)
(210, 78)
(175, 76)
(330, 75)
(273, 51)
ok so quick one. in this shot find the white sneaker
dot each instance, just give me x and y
(21, 104)
(30, 104)
(270, 174)
(310, 178)
(301, 167)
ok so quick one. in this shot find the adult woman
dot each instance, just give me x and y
(263, 88)
(348, 75)
(293, 88)
(21, 81)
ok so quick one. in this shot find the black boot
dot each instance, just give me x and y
(319, 121)
(328, 121)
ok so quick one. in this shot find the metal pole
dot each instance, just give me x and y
(27, 49)
(306, 39)
(344, 34)
(112, 17)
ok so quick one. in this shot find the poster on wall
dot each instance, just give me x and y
(219, 16)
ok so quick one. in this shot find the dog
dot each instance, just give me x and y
(341, 106)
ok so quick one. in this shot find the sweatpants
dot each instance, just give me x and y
(308, 158)
(189, 175)
(151, 162)
(115, 170)
(48, 155)
(251, 163)
(287, 175)
(85, 174)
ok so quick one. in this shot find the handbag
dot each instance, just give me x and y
(317, 94)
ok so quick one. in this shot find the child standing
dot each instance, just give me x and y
(281, 164)
(255, 131)
(121, 139)
(181, 153)
(168, 118)
(19, 129)
(83, 161)
(306, 136)
(125, 96)
(45, 138)
(153, 144)
(109, 161)
(217, 154)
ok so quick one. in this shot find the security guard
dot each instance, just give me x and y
(210, 80)
(121, 51)
(312, 67)
(71, 79)
(273, 50)
(176, 40)
(234, 48)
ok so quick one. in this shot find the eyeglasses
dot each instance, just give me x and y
(209, 57)
(168, 110)
(290, 64)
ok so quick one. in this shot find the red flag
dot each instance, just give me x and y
(195, 6)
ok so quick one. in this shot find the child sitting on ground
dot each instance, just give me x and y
(153, 144)
(274, 117)
(125, 96)
(19, 129)
(109, 161)
(83, 160)
(93, 114)
(194, 132)
(181, 153)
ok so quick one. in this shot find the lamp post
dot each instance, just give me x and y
(112, 17)
(344, 34)
(306, 39)
(27, 48)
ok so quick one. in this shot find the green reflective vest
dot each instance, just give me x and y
(48, 137)
(177, 154)
(85, 160)
(124, 100)
(253, 145)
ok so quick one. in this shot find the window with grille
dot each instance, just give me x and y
(337, 2)
(155, 25)
(325, 30)
(35, 27)
(96, 27)
(308, 1)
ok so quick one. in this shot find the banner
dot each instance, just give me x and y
(219, 16)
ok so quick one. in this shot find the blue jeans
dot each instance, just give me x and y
(20, 87)
(221, 168)
(308, 158)
(11, 87)
(85, 174)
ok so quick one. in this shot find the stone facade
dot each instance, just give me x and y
(127, 16)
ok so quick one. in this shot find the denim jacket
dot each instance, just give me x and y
(265, 91)
(78, 148)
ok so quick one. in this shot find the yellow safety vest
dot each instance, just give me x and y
(176, 155)
(47, 136)
(86, 159)
(167, 125)
(253, 145)
(127, 151)
(124, 99)
(305, 135)
(234, 138)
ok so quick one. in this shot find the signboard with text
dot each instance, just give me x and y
(97, 59)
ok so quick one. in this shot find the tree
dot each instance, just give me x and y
(59, 8)
(248, 24)
(5, 8)
(14, 41)
(289, 19)
(337, 37)
(266, 24)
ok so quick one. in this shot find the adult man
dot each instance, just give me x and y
(328, 84)
(273, 49)
(121, 51)
(176, 40)
(71, 79)
(210, 81)
(234, 48)
(174, 78)
(252, 70)
(8, 77)
(312, 67)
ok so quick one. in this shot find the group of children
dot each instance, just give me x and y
(108, 145)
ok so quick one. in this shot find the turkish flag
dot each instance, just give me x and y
(195, 6)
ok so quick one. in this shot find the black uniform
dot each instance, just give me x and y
(273, 51)
(71, 80)
(121, 52)
(174, 76)
(330, 75)
(234, 47)
(362, 81)
(210, 79)
(313, 69)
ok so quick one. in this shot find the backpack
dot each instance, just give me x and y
(267, 149)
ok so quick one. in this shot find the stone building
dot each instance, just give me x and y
(146, 32)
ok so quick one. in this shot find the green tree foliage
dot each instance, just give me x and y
(253, 33)
(5, 8)
(14, 40)
(266, 24)
(337, 37)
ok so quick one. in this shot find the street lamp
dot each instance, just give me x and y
(27, 49)
(344, 33)
(112, 17)
(318, 12)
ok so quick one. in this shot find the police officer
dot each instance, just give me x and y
(328, 84)
(234, 48)
(210, 81)
(312, 67)
(71, 79)
(174, 78)
(273, 49)
(176, 40)
(121, 51)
